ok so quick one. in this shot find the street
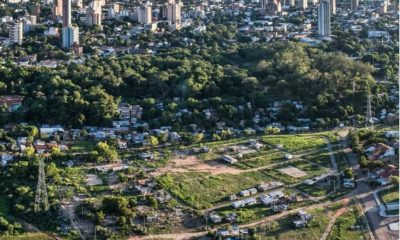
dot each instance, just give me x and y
(377, 224)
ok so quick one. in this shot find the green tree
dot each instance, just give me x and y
(153, 141)
(105, 152)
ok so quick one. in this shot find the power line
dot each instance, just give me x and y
(41, 199)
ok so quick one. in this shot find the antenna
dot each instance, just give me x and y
(41, 199)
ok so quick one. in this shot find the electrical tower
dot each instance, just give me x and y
(369, 119)
(41, 199)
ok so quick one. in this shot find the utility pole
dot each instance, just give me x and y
(41, 198)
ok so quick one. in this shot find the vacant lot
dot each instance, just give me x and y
(202, 190)
(390, 195)
(283, 229)
(82, 146)
(293, 172)
(319, 189)
(296, 143)
(262, 158)
(348, 226)
(28, 236)
(320, 157)
(194, 164)
(311, 169)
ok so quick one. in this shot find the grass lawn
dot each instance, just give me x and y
(390, 195)
(312, 170)
(28, 236)
(82, 146)
(283, 229)
(202, 190)
(261, 159)
(296, 143)
(348, 226)
(247, 214)
(321, 158)
(316, 190)
(255, 212)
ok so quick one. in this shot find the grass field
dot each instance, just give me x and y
(255, 212)
(283, 229)
(82, 146)
(348, 226)
(296, 143)
(28, 236)
(312, 170)
(321, 158)
(390, 195)
(201, 190)
(315, 189)
(261, 159)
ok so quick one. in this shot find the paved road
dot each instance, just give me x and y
(378, 225)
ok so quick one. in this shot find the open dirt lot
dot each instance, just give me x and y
(293, 172)
(193, 164)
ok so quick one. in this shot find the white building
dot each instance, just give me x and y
(16, 33)
(70, 36)
(144, 13)
(324, 18)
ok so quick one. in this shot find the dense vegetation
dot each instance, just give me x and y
(219, 76)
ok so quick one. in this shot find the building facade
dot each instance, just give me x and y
(16, 33)
(324, 18)
(144, 13)
(70, 36)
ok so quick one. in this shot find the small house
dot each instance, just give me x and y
(229, 159)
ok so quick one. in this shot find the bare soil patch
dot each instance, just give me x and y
(293, 172)
(193, 164)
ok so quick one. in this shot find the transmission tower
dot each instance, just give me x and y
(369, 112)
(41, 199)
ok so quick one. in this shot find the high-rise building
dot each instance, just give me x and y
(144, 13)
(163, 11)
(79, 4)
(94, 13)
(16, 33)
(383, 7)
(263, 6)
(36, 10)
(58, 8)
(333, 7)
(274, 6)
(354, 5)
(303, 4)
(33, 19)
(70, 36)
(324, 18)
(66, 13)
(270, 6)
(28, 23)
(174, 12)
(93, 18)
(291, 3)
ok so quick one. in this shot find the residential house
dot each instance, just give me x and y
(40, 146)
(303, 219)
(47, 130)
(229, 159)
(12, 103)
(5, 158)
